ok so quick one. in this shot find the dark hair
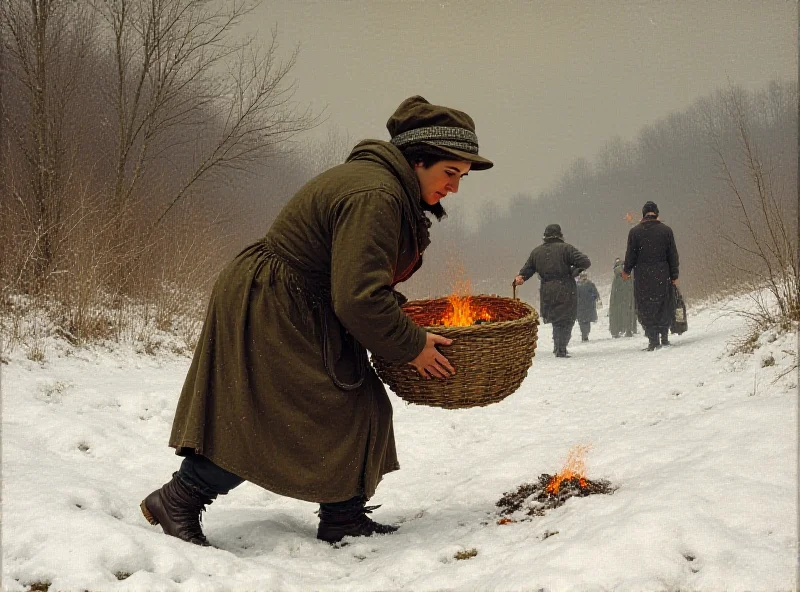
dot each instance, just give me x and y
(424, 153)
(427, 156)
(649, 209)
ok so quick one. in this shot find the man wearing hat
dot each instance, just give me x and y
(652, 257)
(280, 392)
(558, 264)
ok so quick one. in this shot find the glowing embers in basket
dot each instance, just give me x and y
(463, 312)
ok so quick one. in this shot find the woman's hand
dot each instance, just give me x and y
(430, 362)
(519, 280)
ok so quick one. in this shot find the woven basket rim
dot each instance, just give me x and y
(531, 312)
(482, 346)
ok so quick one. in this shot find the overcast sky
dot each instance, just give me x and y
(545, 81)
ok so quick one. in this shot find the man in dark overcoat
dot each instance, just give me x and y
(588, 301)
(652, 257)
(558, 264)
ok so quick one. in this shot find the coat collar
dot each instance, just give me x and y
(390, 157)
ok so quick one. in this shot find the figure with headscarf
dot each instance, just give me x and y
(558, 263)
(621, 305)
(588, 301)
(652, 257)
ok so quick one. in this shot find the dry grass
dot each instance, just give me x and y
(466, 554)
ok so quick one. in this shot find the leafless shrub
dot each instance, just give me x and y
(759, 207)
(746, 344)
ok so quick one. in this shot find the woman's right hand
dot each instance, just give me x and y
(430, 362)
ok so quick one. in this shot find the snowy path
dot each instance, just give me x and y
(706, 470)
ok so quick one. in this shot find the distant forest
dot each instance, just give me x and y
(695, 164)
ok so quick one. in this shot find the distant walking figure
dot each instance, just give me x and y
(621, 305)
(588, 301)
(654, 257)
(557, 263)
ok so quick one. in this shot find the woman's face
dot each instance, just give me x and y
(439, 179)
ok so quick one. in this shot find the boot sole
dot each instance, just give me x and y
(147, 515)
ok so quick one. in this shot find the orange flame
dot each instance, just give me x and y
(574, 468)
(462, 313)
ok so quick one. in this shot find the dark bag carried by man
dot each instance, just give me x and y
(679, 323)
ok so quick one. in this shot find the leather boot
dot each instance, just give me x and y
(177, 507)
(652, 336)
(337, 521)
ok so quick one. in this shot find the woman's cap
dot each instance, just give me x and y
(416, 121)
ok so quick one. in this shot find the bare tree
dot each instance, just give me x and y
(44, 45)
(125, 123)
(181, 80)
(759, 193)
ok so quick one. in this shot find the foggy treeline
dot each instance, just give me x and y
(723, 173)
(142, 145)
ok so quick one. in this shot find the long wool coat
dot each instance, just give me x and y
(621, 306)
(280, 391)
(653, 258)
(557, 263)
(587, 301)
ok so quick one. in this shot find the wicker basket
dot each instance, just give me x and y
(490, 359)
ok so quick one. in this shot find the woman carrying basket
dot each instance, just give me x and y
(280, 392)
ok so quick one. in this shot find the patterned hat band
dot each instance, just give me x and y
(450, 137)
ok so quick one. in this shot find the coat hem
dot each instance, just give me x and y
(301, 494)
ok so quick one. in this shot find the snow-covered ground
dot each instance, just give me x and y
(701, 445)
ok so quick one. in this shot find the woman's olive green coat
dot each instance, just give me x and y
(280, 391)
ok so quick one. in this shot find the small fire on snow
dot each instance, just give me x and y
(551, 491)
(574, 469)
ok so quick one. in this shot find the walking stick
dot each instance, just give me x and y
(514, 290)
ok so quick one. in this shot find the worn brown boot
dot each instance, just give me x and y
(177, 507)
(337, 521)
